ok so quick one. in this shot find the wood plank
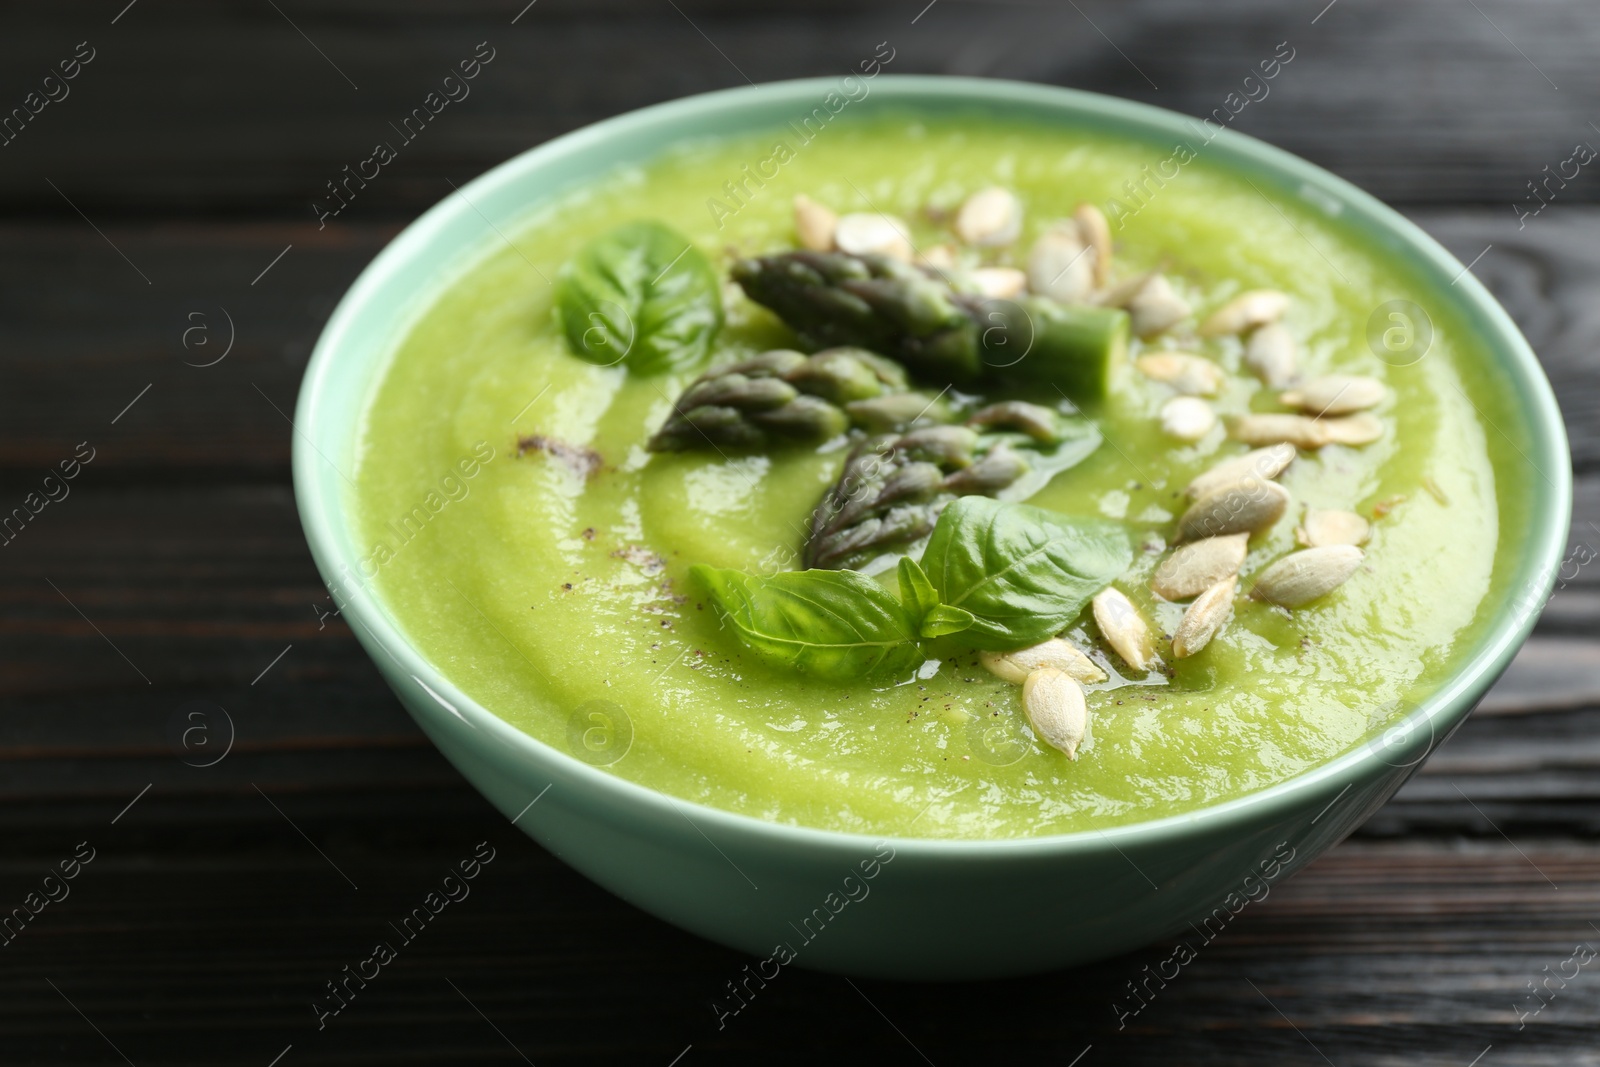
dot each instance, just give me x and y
(209, 950)
(1547, 276)
(207, 922)
(250, 109)
(83, 337)
(1548, 674)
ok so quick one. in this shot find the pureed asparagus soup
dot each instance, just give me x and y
(1032, 507)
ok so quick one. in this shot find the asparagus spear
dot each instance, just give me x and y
(893, 487)
(940, 335)
(785, 396)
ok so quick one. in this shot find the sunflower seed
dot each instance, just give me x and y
(866, 234)
(1190, 375)
(990, 218)
(1056, 709)
(1188, 418)
(1272, 354)
(1123, 628)
(1197, 566)
(999, 283)
(1060, 266)
(1336, 394)
(814, 224)
(1263, 463)
(1248, 505)
(1095, 231)
(1298, 430)
(1303, 576)
(1256, 307)
(1058, 653)
(1204, 618)
(1320, 528)
(1362, 428)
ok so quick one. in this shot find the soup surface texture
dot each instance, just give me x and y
(538, 554)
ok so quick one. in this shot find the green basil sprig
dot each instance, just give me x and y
(836, 625)
(642, 296)
(1024, 573)
(995, 576)
(934, 618)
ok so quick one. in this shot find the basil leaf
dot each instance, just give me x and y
(916, 592)
(837, 625)
(642, 296)
(944, 620)
(921, 599)
(1024, 573)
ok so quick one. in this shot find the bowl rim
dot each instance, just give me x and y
(1441, 711)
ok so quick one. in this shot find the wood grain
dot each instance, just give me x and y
(250, 110)
(183, 164)
(1382, 952)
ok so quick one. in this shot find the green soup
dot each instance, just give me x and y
(552, 585)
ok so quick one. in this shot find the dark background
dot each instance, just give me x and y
(186, 159)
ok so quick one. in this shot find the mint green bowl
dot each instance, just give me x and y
(937, 909)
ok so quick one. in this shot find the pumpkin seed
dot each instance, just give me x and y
(1303, 576)
(990, 218)
(1362, 428)
(865, 234)
(1322, 527)
(1117, 296)
(1060, 265)
(1156, 308)
(1058, 653)
(1095, 232)
(1273, 355)
(999, 283)
(1199, 565)
(1336, 394)
(1056, 709)
(1123, 628)
(938, 258)
(1151, 302)
(1190, 375)
(814, 224)
(1264, 463)
(1256, 307)
(1248, 505)
(1188, 418)
(1204, 618)
(1302, 431)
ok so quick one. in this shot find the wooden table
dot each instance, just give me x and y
(163, 205)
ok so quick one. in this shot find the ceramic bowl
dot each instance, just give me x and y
(931, 909)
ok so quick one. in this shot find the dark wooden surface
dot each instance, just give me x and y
(175, 571)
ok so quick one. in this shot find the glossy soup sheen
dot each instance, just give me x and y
(563, 603)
